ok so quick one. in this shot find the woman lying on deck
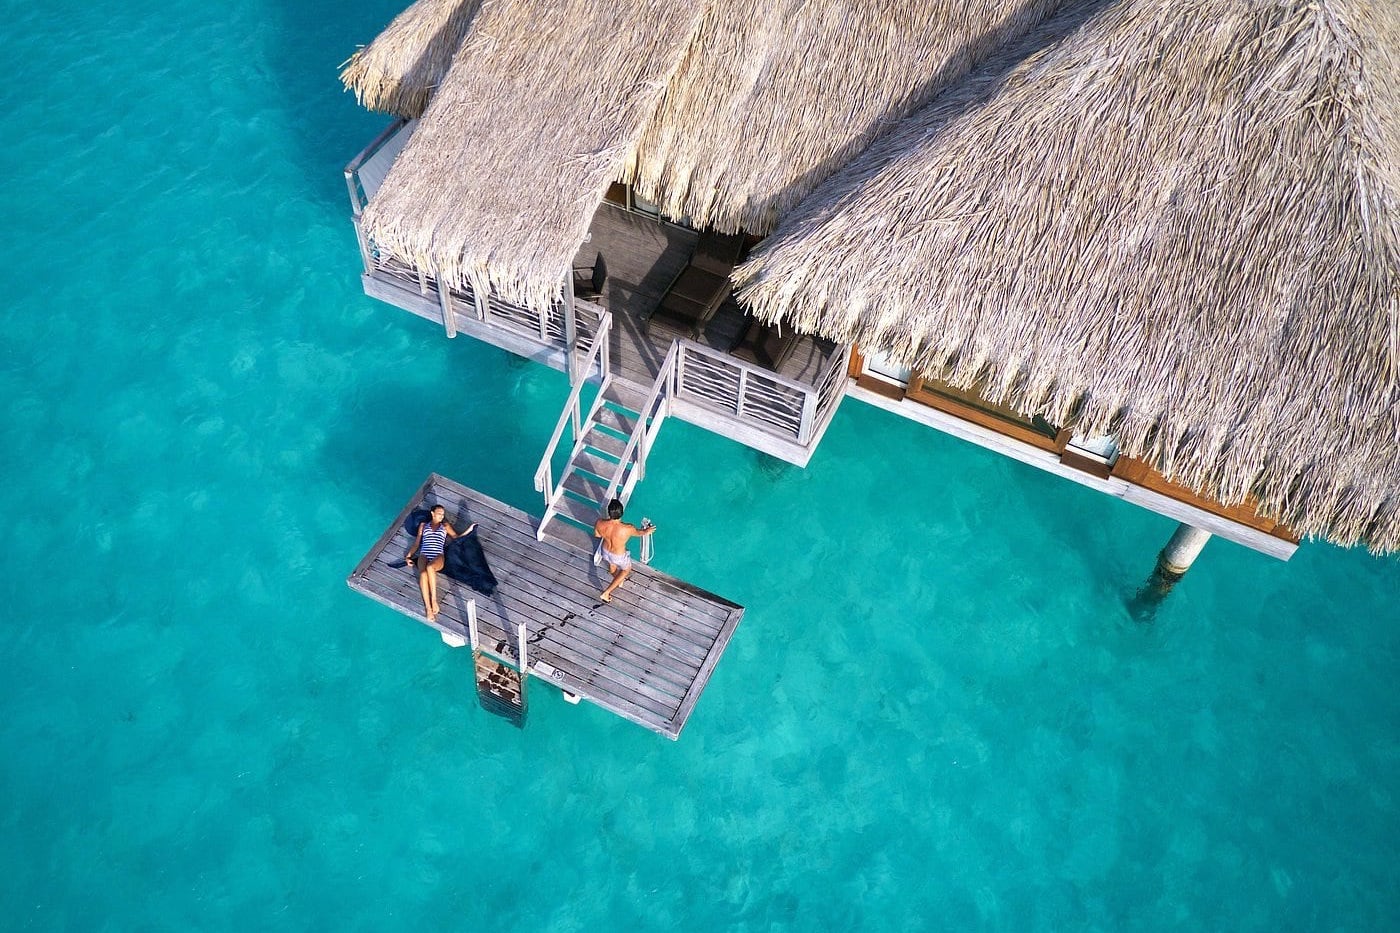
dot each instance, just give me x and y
(431, 542)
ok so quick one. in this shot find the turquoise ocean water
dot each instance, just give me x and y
(937, 713)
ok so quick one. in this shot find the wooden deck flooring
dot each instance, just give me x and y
(645, 656)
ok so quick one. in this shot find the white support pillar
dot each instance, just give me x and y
(1176, 558)
(1182, 550)
(449, 321)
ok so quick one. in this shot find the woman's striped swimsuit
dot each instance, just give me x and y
(434, 541)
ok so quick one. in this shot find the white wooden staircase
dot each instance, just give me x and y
(611, 441)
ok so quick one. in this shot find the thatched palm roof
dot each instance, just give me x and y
(511, 157)
(726, 112)
(400, 70)
(1180, 224)
(775, 95)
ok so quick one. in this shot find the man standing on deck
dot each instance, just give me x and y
(615, 534)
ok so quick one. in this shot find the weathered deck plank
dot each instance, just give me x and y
(645, 656)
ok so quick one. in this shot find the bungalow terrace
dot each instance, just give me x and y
(1152, 246)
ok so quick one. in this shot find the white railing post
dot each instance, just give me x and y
(546, 482)
(604, 334)
(357, 203)
(520, 642)
(643, 448)
(570, 330)
(471, 625)
(743, 388)
(365, 255)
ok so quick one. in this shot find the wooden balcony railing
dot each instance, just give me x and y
(756, 398)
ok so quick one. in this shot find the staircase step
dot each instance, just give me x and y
(585, 485)
(605, 442)
(589, 462)
(614, 420)
(621, 394)
(571, 534)
(583, 513)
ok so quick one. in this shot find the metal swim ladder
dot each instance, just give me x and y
(611, 441)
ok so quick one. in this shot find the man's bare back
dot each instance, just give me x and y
(615, 534)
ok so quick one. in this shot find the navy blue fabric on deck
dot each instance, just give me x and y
(415, 518)
(466, 562)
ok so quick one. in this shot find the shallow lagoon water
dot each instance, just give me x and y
(937, 712)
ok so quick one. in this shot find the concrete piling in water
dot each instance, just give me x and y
(1172, 563)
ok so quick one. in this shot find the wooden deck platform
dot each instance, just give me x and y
(646, 656)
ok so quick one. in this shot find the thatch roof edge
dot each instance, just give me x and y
(399, 71)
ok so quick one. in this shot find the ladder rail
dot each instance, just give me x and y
(654, 410)
(544, 479)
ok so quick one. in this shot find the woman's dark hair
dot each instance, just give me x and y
(615, 508)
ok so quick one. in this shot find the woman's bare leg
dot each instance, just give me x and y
(427, 596)
(433, 569)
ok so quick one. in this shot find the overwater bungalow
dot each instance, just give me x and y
(1150, 246)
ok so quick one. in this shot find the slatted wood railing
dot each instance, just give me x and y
(758, 398)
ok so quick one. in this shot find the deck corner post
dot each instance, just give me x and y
(471, 625)
(365, 255)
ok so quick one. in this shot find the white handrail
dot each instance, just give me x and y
(600, 340)
(659, 390)
(352, 170)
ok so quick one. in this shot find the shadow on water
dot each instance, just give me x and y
(772, 468)
(394, 432)
(1151, 595)
(329, 127)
